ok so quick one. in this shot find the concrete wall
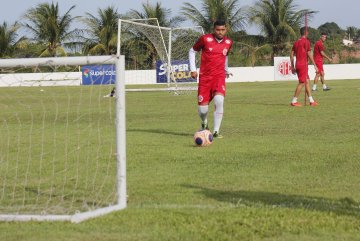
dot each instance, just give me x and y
(240, 74)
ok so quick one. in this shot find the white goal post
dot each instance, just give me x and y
(48, 170)
(157, 54)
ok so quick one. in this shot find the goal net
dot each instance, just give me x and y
(156, 54)
(62, 145)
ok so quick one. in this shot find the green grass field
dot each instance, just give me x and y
(280, 173)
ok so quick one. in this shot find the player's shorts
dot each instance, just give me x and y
(208, 86)
(320, 66)
(302, 73)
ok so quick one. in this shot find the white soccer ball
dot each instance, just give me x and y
(203, 138)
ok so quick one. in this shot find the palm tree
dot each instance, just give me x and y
(163, 15)
(49, 28)
(351, 32)
(9, 39)
(279, 20)
(102, 29)
(211, 10)
(141, 46)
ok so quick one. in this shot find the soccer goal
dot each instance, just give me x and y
(62, 145)
(156, 54)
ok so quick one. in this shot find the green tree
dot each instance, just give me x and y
(163, 15)
(227, 10)
(332, 29)
(9, 39)
(51, 29)
(140, 52)
(102, 31)
(280, 21)
(351, 32)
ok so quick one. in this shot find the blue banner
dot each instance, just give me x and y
(104, 74)
(180, 71)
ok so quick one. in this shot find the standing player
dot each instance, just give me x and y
(301, 49)
(213, 71)
(318, 57)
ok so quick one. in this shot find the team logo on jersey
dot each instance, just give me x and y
(209, 39)
(225, 51)
(210, 49)
(200, 98)
(227, 41)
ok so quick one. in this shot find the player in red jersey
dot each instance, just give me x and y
(301, 49)
(213, 71)
(319, 55)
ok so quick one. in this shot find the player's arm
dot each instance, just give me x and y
(192, 57)
(310, 56)
(293, 69)
(324, 55)
(227, 72)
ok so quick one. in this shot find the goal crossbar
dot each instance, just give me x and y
(79, 60)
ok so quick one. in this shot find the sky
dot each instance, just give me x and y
(345, 12)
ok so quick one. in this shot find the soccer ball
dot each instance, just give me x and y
(203, 138)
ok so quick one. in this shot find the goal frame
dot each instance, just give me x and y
(121, 201)
(167, 46)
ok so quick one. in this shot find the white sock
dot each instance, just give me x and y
(203, 111)
(314, 87)
(294, 100)
(324, 86)
(311, 99)
(219, 111)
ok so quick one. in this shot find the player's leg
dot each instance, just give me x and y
(218, 113)
(294, 101)
(325, 87)
(308, 92)
(219, 95)
(317, 75)
(302, 76)
(204, 96)
(111, 94)
(203, 112)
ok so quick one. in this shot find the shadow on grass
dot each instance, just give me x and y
(160, 131)
(344, 206)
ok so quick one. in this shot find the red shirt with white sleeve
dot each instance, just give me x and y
(212, 67)
(213, 54)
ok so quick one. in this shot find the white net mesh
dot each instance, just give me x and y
(148, 52)
(57, 145)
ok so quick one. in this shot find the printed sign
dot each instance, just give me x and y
(180, 71)
(104, 74)
(282, 69)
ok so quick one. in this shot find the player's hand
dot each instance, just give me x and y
(293, 70)
(228, 74)
(316, 69)
(194, 74)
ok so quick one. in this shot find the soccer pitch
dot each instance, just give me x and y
(280, 173)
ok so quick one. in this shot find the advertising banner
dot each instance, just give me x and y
(282, 69)
(180, 71)
(104, 74)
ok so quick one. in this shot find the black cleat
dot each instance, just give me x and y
(326, 89)
(204, 127)
(217, 135)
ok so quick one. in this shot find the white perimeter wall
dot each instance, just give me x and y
(240, 74)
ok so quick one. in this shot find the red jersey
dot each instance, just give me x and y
(213, 55)
(301, 47)
(318, 47)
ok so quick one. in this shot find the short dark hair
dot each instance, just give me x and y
(303, 30)
(219, 22)
(323, 33)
